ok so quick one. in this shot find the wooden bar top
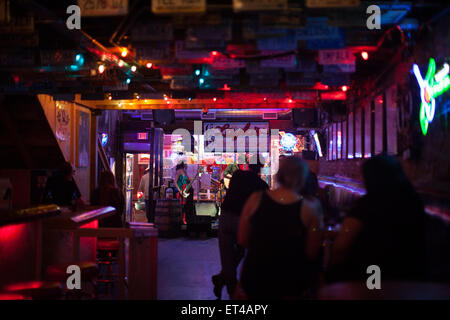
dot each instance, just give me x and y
(28, 214)
(74, 219)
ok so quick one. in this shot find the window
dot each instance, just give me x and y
(338, 140)
(350, 146)
(344, 140)
(391, 119)
(334, 140)
(378, 124)
(367, 130)
(358, 133)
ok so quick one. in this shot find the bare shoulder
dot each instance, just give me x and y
(252, 203)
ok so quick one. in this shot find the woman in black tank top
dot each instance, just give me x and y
(282, 234)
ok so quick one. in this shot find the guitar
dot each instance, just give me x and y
(187, 187)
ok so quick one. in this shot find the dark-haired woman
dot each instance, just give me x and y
(282, 233)
(385, 228)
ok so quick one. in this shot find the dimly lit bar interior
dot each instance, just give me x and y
(224, 150)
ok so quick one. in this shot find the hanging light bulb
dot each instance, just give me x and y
(149, 65)
(124, 52)
(120, 63)
(365, 55)
(101, 68)
(133, 68)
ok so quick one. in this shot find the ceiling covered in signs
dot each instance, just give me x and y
(184, 54)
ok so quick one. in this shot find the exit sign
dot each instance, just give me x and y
(142, 135)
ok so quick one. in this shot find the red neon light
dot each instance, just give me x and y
(334, 95)
(320, 86)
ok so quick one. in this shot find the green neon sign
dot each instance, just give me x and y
(431, 87)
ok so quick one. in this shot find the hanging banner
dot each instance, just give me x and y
(210, 45)
(223, 126)
(253, 67)
(223, 73)
(11, 40)
(210, 32)
(294, 79)
(321, 44)
(264, 80)
(304, 64)
(288, 42)
(181, 52)
(317, 28)
(57, 57)
(332, 3)
(24, 57)
(335, 79)
(304, 95)
(287, 61)
(287, 20)
(259, 5)
(152, 32)
(223, 62)
(340, 56)
(336, 68)
(96, 8)
(155, 50)
(178, 6)
(182, 83)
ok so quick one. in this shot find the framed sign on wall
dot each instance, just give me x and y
(82, 145)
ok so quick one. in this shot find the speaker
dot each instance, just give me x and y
(308, 155)
(164, 117)
(305, 118)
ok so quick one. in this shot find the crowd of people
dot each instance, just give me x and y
(279, 234)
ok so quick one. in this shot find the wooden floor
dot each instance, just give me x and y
(185, 267)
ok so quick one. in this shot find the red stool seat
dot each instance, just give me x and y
(89, 270)
(37, 290)
(13, 296)
(107, 244)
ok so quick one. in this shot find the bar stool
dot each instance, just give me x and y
(37, 290)
(107, 257)
(89, 272)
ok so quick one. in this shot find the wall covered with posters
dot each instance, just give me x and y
(71, 125)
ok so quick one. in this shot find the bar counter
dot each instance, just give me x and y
(27, 238)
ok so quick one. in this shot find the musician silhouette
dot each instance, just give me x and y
(186, 196)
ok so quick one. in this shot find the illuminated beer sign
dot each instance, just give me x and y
(431, 87)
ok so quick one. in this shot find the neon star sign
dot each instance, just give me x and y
(432, 86)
